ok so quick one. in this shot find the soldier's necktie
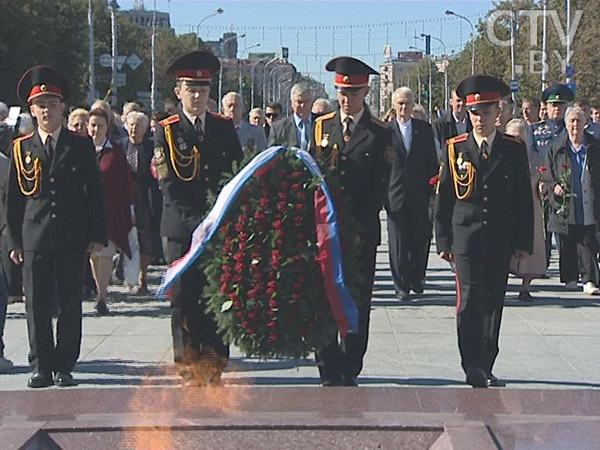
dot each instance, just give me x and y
(347, 133)
(48, 148)
(198, 127)
(485, 154)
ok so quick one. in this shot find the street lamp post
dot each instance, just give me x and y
(266, 81)
(252, 88)
(221, 65)
(113, 31)
(429, 60)
(92, 78)
(240, 64)
(216, 12)
(272, 79)
(445, 68)
(451, 13)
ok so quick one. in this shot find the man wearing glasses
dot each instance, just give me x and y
(272, 114)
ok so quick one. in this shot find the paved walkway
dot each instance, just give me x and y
(551, 343)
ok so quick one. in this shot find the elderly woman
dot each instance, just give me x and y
(138, 151)
(573, 163)
(534, 265)
(118, 194)
(77, 121)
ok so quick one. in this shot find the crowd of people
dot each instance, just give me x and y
(496, 180)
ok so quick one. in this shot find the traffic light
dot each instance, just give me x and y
(244, 84)
(428, 45)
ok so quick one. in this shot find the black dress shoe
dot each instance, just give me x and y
(350, 381)
(101, 308)
(64, 379)
(402, 295)
(525, 296)
(40, 380)
(417, 287)
(493, 381)
(477, 377)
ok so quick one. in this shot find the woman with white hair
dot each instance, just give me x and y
(138, 151)
(534, 265)
(573, 163)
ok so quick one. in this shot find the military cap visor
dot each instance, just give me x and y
(195, 67)
(558, 93)
(479, 90)
(350, 73)
(42, 80)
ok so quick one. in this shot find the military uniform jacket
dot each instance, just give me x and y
(545, 132)
(494, 214)
(64, 208)
(361, 163)
(188, 166)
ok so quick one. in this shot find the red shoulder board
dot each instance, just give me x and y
(457, 139)
(170, 120)
(218, 116)
(23, 138)
(513, 138)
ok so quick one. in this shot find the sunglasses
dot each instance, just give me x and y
(271, 115)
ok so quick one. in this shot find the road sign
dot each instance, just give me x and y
(120, 61)
(105, 60)
(134, 61)
(120, 79)
(570, 71)
(514, 85)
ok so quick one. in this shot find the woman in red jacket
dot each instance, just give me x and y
(118, 192)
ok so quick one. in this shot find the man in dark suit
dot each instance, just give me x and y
(55, 217)
(193, 148)
(272, 114)
(407, 204)
(483, 217)
(357, 144)
(453, 123)
(295, 130)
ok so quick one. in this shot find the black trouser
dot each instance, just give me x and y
(13, 274)
(481, 286)
(578, 250)
(332, 363)
(46, 272)
(408, 237)
(194, 331)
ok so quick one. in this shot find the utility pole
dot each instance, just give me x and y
(113, 30)
(92, 78)
(153, 85)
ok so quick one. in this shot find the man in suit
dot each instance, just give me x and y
(357, 145)
(192, 149)
(295, 130)
(483, 216)
(251, 137)
(407, 204)
(272, 114)
(453, 123)
(55, 218)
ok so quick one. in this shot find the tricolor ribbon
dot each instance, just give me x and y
(330, 254)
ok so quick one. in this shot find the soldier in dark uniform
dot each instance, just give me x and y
(193, 149)
(55, 218)
(551, 130)
(358, 143)
(483, 216)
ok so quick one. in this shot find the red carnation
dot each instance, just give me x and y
(433, 181)
(233, 296)
(542, 169)
(243, 236)
(226, 277)
(271, 314)
(296, 187)
(272, 284)
(252, 316)
(239, 314)
(264, 202)
(237, 279)
(225, 268)
(301, 195)
(275, 254)
(242, 246)
(277, 224)
(273, 303)
(298, 219)
(270, 291)
(252, 293)
(282, 196)
(296, 174)
(271, 325)
(239, 227)
(273, 337)
(281, 206)
(565, 166)
(300, 207)
(224, 288)
(239, 267)
(279, 242)
(238, 257)
(224, 229)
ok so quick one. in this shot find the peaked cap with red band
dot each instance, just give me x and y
(43, 80)
(195, 67)
(479, 90)
(350, 72)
